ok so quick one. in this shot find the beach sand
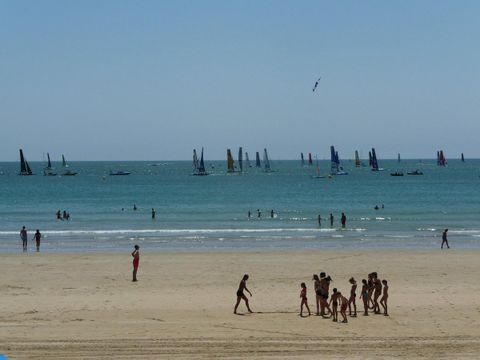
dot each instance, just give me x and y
(73, 306)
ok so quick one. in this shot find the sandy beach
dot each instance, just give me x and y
(85, 306)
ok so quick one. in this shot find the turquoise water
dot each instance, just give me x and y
(210, 212)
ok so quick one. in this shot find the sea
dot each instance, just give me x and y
(210, 213)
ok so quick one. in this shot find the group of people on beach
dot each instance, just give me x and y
(370, 294)
(24, 236)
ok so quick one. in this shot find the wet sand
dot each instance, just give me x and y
(85, 306)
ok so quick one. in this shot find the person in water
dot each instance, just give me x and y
(153, 213)
(134, 207)
(384, 299)
(37, 238)
(24, 237)
(249, 214)
(59, 215)
(136, 261)
(240, 295)
(331, 220)
(353, 295)
(319, 220)
(444, 239)
(376, 207)
(259, 214)
(304, 301)
(272, 214)
(343, 220)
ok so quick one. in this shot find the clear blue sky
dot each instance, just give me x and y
(146, 80)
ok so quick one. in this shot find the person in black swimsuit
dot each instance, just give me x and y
(241, 295)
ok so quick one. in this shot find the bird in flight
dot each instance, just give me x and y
(316, 83)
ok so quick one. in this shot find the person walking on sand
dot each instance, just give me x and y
(24, 237)
(241, 295)
(353, 295)
(343, 220)
(37, 238)
(304, 301)
(136, 261)
(444, 239)
(318, 292)
(383, 300)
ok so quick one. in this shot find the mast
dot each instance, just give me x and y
(247, 160)
(463, 159)
(49, 164)
(230, 162)
(374, 160)
(333, 161)
(266, 161)
(441, 158)
(438, 157)
(240, 159)
(369, 158)
(257, 160)
(303, 160)
(201, 165)
(398, 158)
(195, 161)
(310, 162)
(24, 167)
(357, 159)
(64, 162)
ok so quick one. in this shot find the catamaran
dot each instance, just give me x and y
(375, 162)
(357, 159)
(48, 170)
(24, 167)
(199, 166)
(441, 161)
(335, 168)
(240, 159)
(266, 162)
(230, 162)
(67, 172)
(257, 160)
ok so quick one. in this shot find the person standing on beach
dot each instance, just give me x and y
(241, 295)
(364, 296)
(318, 292)
(153, 213)
(331, 220)
(383, 300)
(377, 291)
(353, 295)
(444, 239)
(343, 220)
(24, 237)
(334, 304)
(343, 307)
(136, 261)
(304, 301)
(37, 238)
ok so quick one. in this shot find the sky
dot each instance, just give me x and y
(151, 80)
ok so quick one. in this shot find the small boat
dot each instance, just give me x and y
(240, 159)
(375, 162)
(24, 167)
(67, 172)
(397, 173)
(48, 170)
(358, 163)
(266, 162)
(119, 173)
(415, 172)
(335, 168)
(462, 158)
(441, 161)
(199, 166)
(230, 162)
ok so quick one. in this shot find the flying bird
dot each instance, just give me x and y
(316, 83)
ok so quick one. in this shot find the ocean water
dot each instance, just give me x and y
(210, 212)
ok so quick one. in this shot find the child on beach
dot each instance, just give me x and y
(353, 295)
(241, 295)
(136, 261)
(334, 304)
(383, 300)
(343, 307)
(304, 301)
(318, 292)
(364, 296)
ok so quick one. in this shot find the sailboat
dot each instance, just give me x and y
(48, 170)
(257, 160)
(375, 162)
(357, 159)
(310, 162)
(247, 160)
(266, 162)
(369, 158)
(230, 162)
(24, 167)
(441, 161)
(463, 159)
(317, 176)
(67, 172)
(240, 159)
(335, 168)
(302, 159)
(398, 157)
(199, 166)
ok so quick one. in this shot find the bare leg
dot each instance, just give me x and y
(135, 274)
(246, 303)
(236, 305)
(317, 298)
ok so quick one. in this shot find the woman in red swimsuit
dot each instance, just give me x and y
(136, 261)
